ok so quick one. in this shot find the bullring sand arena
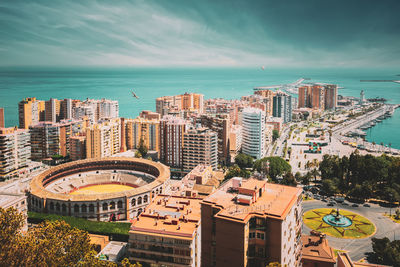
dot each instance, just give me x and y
(104, 189)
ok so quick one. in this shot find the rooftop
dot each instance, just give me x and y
(275, 200)
(173, 216)
(316, 248)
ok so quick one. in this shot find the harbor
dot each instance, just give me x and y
(352, 132)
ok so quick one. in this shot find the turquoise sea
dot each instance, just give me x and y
(149, 83)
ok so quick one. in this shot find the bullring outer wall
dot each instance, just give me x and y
(123, 205)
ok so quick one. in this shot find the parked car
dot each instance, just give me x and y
(330, 204)
(324, 200)
(355, 205)
(367, 205)
(345, 204)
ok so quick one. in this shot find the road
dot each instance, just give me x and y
(358, 247)
(280, 143)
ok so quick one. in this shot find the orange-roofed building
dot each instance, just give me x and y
(344, 260)
(167, 233)
(251, 223)
(317, 252)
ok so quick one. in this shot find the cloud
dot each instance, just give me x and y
(201, 33)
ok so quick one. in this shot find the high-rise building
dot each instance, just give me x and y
(149, 115)
(362, 98)
(235, 139)
(66, 109)
(143, 129)
(15, 151)
(251, 223)
(219, 123)
(330, 96)
(167, 233)
(45, 140)
(268, 99)
(77, 147)
(29, 112)
(84, 111)
(317, 97)
(48, 138)
(171, 140)
(199, 147)
(103, 139)
(253, 132)
(2, 118)
(52, 110)
(283, 106)
(190, 102)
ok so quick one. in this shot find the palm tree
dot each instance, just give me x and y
(382, 147)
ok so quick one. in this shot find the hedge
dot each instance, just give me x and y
(116, 230)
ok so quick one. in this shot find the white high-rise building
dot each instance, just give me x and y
(253, 132)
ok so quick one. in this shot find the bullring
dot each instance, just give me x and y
(83, 188)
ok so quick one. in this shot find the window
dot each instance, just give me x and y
(139, 200)
(91, 208)
(76, 208)
(83, 208)
(119, 204)
(105, 207)
(133, 202)
(64, 208)
(57, 207)
(112, 205)
(145, 198)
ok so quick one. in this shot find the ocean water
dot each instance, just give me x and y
(150, 83)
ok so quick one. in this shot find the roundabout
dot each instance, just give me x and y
(339, 223)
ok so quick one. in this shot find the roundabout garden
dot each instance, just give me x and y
(339, 223)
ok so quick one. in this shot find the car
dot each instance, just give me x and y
(324, 200)
(355, 205)
(330, 204)
(345, 204)
(317, 197)
(367, 205)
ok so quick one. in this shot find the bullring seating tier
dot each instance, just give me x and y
(73, 182)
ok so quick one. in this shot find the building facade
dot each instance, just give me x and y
(265, 219)
(2, 124)
(171, 140)
(142, 129)
(253, 132)
(15, 151)
(29, 112)
(282, 106)
(103, 139)
(167, 233)
(219, 124)
(200, 146)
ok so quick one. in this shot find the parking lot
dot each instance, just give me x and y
(375, 213)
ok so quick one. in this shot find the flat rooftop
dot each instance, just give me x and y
(173, 216)
(275, 201)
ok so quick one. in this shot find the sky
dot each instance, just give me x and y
(277, 33)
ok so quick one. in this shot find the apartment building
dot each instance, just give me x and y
(142, 129)
(219, 123)
(30, 112)
(318, 96)
(103, 139)
(77, 147)
(268, 96)
(171, 140)
(167, 233)
(330, 96)
(200, 146)
(251, 223)
(189, 102)
(253, 132)
(45, 140)
(235, 139)
(2, 122)
(282, 107)
(15, 151)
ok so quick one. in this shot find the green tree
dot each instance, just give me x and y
(47, 244)
(275, 135)
(276, 166)
(244, 160)
(288, 179)
(235, 171)
(385, 252)
(142, 148)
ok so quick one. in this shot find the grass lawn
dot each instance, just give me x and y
(360, 228)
